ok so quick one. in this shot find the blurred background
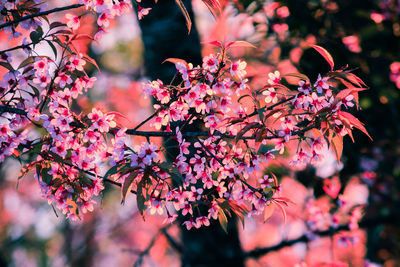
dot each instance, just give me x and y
(360, 34)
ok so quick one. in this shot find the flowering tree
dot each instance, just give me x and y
(218, 170)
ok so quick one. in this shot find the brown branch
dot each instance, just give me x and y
(365, 223)
(39, 14)
(149, 246)
(178, 247)
(16, 48)
(167, 134)
(8, 109)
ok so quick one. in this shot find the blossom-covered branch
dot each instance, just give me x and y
(216, 172)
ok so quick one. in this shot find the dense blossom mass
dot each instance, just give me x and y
(216, 171)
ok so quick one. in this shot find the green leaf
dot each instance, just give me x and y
(247, 128)
(215, 175)
(243, 96)
(53, 48)
(26, 62)
(115, 169)
(56, 24)
(214, 6)
(260, 114)
(36, 36)
(127, 185)
(353, 121)
(279, 205)
(297, 75)
(35, 90)
(223, 220)
(176, 175)
(264, 149)
(7, 66)
(140, 198)
(46, 177)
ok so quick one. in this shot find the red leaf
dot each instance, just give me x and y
(297, 75)
(176, 60)
(325, 54)
(268, 211)
(240, 44)
(214, 6)
(285, 200)
(282, 210)
(342, 94)
(91, 60)
(127, 186)
(245, 129)
(81, 36)
(353, 121)
(349, 91)
(337, 144)
(185, 14)
(216, 43)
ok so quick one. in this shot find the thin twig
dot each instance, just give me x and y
(38, 14)
(16, 48)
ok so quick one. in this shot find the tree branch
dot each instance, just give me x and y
(150, 245)
(366, 223)
(178, 247)
(39, 14)
(15, 48)
(13, 110)
(167, 134)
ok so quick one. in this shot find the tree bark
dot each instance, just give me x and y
(165, 35)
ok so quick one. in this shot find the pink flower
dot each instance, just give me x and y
(304, 87)
(170, 218)
(271, 96)
(321, 84)
(156, 206)
(189, 224)
(377, 18)
(210, 63)
(103, 19)
(42, 80)
(274, 78)
(280, 28)
(238, 68)
(143, 12)
(73, 21)
(41, 65)
(76, 62)
(63, 79)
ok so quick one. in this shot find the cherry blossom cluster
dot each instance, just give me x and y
(212, 169)
(105, 10)
(216, 171)
(39, 93)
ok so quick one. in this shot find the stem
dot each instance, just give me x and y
(15, 48)
(39, 14)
